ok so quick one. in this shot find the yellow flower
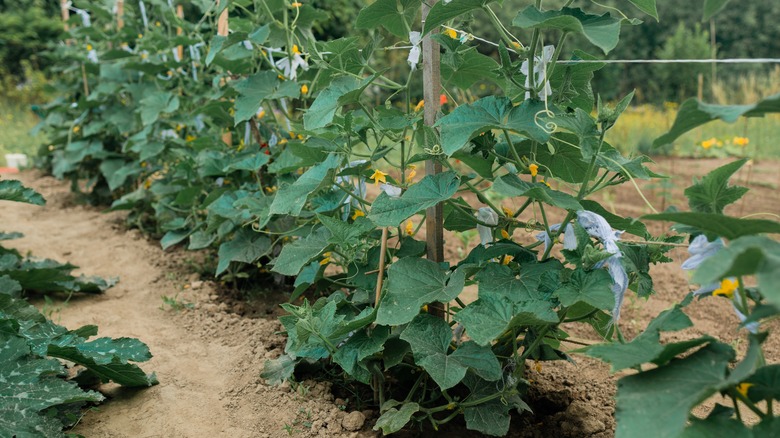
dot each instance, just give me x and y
(545, 183)
(297, 5)
(451, 33)
(419, 106)
(270, 189)
(743, 388)
(157, 23)
(507, 259)
(144, 55)
(76, 129)
(534, 169)
(409, 228)
(424, 308)
(516, 45)
(325, 261)
(304, 89)
(727, 288)
(89, 47)
(505, 234)
(190, 138)
(261, 114)
(507, 211)
(379, 176)
(296, 50)
(412, 171)
(741, 141)
(143, 164)
(140, 35)
(706, 144)
(357, 214)
(232, 111)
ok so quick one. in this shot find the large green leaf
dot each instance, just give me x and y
(296, 255)
(258, 87)
(392, 420)
(412, 283)
(13, 190)
(468, 68)
(360, 346)
(712, 7)
(290, 199)
(719, 225)
(594, 288)
(397, 16)
(155, 104)
(492, 417)
(344, 234)
(646, 6)
(660, 400)
(444, 11)
(430, 338)
(603, 31)
(324, 107)
(245, 247)
(748, 255)
(491, 315)
(468, 121)
(387, 211)
(694, 113)
(108, 358)
(713, 193)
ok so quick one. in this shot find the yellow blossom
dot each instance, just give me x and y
(178, 127)
(424, 308)
(241, 145)
(143, 164)
(304, 89)
(157, 23)
(140, 35)
(89, 47)
(412, 171)
(297, 4)
(538, 366)
(379, 176)
(409, 228)
(534, 169)
(232, 111)
(706, 144)
(270, 189)
(144, 55)
(516, 45)
(507, 211)
(743, 388)
(452, 406)
(76, 129)
(325, 261)
(451, 33)
(261, 114)
(419, 106)
(357, 214)
(727, 288)
(296, 50)
(741, 141)
(507, 259)
(505, 234)
(545, 183)
(190, 138)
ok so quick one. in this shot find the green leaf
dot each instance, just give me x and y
(766, 383)
(646, 6)
(716, 426)
(324, 107)
(155, 104)
(470, 68)
(748, 255)
(290, 199)
(215, 46)
(470, 120)
(344, 234)
(430, 338)
(717, 224)
(693, 113)
(669, 393)
(260, 35)
(13, 190)
(713, 193)
(296, 255)
(245, 247)
(489, 316)
(594, 288)
(276, 371)
(511, 185)
(712, 7)
(387, 211)
(492, 417)
(108, 358)
(442, 11)
(603, 31)
(397, 16)
(413, 282)
(360, 346)
(256, 88)
(496, 279)
(393, 420)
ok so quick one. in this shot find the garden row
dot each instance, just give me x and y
(227, 125)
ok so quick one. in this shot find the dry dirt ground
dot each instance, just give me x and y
(209, 358)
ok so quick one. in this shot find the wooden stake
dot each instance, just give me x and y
(180, 14)
(65, 13)
(120, 12)
(222, 30)
(381, 278)
(434, 217)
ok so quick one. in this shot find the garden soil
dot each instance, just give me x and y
(208, 358)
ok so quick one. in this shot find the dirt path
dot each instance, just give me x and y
(208, 359)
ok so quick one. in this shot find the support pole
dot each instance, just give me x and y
(120, 12)
(222, 30)
(434, 217)
(180, 14)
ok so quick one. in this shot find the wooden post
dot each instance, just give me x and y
(222, 30)
(180, 14)
(65, 13)
(120, 12)
(434, 217)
